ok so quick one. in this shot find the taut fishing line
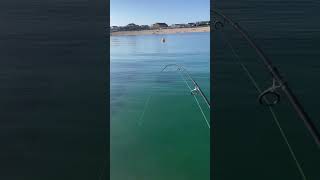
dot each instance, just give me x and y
(195, 98)
(275, 118)
(194, 92)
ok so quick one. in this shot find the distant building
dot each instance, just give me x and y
(132, 27)
(192, 24)
(159, 25)
(179, 25)
(203, 23)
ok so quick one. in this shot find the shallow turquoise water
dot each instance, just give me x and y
(157, 129)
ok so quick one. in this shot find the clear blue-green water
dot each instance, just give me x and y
(157, 129)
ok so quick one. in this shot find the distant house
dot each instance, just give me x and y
(159, 25)
(132, 27)
(192, 24)
(179, 25)
(203, 23)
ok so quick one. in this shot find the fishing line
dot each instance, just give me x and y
(195, 100)
(237, 58)
(146, 105)
(197, 87)
(204, 97)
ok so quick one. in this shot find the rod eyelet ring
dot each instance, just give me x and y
(269, 93)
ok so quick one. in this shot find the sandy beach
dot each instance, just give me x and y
(162, 31)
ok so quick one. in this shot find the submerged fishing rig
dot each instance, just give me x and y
(270, 96)
(193, 91)
(197, 89)
(278, 84)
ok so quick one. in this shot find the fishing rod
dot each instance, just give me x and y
(197, 88)
(278, 81)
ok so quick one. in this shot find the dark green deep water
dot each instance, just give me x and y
(247, 142)
(53, 103)
(157, 129)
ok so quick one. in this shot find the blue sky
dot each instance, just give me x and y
(147, 12)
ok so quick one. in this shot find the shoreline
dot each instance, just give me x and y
(161, 31)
